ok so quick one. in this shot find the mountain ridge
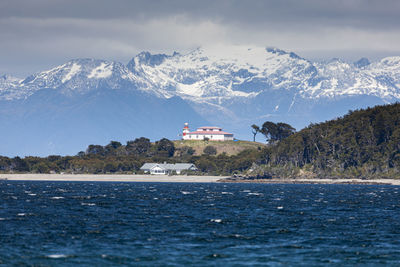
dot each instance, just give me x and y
(314, 79)
(232, 87)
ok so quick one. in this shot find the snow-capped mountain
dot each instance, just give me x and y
(76, 76)
(232, 87)
(213, 74)
(10, 88)
(338, 78)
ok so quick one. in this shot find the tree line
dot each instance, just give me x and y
(128, 158)
(362, 144)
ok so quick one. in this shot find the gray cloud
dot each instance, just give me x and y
(355, 13)
(43, 33)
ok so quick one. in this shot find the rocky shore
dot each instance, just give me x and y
(244, 179)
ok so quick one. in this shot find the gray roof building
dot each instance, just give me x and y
(165, 168)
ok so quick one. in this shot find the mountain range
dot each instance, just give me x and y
(91, 101)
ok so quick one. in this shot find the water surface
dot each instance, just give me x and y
(179, 224)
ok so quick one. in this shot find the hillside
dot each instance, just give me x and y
(362, 144)
(228, 147)
(118, 158)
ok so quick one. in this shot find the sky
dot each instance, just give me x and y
(39, 34)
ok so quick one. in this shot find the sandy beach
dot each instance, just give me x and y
(111, 178)
(180, 179)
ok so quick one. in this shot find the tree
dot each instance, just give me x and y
(165, 146)
(5, 163)
(255, 130)
(269, 130)
(95, 150)
(110, 167)
(111, 148)
(41, 167)
(114, 144)
(285, 130)
(139, 146)
(18, 164)
(206, 164)
(53, 158)
(210, 150)
(276, 131)
(185, 151)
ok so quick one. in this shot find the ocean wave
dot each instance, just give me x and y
(88, 204)
(57, 197)
(56, 256)
(255, 194)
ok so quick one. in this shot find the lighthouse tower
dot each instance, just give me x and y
(185, 130)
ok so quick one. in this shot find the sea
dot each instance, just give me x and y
(198, 224)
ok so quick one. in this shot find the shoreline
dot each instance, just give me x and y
(181, 179)
(110, 178)
(316, 181)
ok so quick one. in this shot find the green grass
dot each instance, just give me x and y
(229, 147)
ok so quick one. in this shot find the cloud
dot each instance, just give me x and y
(43, 33)
(257, 13)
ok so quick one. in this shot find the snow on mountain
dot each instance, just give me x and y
(7, 79)
(216, 74)
(10, 87)
(74, 69)
(387, 71)
(232, 87)
(76, 76)
(338, 78)
(362, 62)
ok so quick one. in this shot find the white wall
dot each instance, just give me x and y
(157, 170)
(213, 137)
(228, 138)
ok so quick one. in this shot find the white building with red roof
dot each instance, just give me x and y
(210, 132)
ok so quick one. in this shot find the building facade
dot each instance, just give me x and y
(166, 168)
(206, 132)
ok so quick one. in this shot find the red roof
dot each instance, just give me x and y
(210, 132)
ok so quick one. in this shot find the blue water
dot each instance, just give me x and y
(165, 224)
